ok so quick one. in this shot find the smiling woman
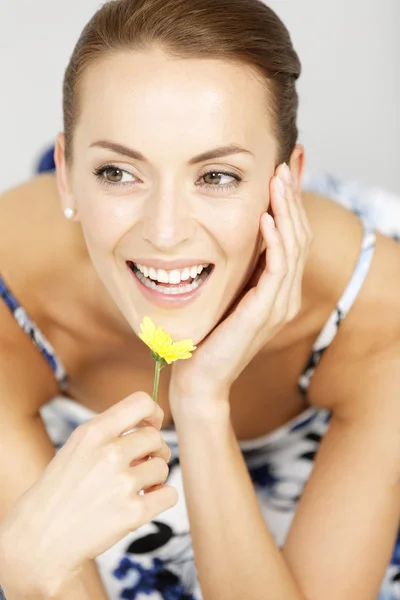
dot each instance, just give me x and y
(180, 176)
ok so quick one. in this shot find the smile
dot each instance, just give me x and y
(172, 284)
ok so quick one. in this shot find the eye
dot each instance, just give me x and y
(214, 180)
(112, 175)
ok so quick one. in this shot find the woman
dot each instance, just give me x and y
(179, 152)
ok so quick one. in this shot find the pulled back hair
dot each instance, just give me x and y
(243, 31)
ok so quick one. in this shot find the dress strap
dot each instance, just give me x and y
(347, 300)
(37, 337)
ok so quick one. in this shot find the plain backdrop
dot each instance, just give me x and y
(349, 90)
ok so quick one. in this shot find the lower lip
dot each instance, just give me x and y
(169, 301)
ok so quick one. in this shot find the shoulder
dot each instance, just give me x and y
(39, 259)
(30, 214)
(365, 353)
(35, 187)
(26, 380)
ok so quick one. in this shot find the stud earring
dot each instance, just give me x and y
(70, 213)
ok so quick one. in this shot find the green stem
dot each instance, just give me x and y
(156, 380)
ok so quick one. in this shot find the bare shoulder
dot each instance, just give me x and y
(366, 350)
(30, 219)
(26, 380)
(36, 252)
(39, 188)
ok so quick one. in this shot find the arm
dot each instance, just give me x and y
(343, 535)
(344, 531)
(26, 442)
(26, 383)
(235, 554)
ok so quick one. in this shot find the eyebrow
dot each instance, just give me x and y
(136, 155)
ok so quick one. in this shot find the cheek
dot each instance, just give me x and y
(105, 219)
(238, 234)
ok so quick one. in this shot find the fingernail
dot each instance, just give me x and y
(287, 173)
(281, 186)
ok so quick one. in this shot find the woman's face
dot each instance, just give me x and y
(153, 206)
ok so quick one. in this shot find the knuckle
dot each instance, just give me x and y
(303, 241)
(167, 451)
(284, 269)
(143, 400)
(160, 411)
(296, 248)
(282, 317)
(161, 468)
(153, 437)
(171, 496)
(88, 432)
(111, 454)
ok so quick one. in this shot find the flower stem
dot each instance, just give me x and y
(156, 379)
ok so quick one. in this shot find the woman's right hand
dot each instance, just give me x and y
(88, 497)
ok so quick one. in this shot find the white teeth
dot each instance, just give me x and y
(174, 277)
(162, 276)
(152, 273)
(171, 291)
(185, 274)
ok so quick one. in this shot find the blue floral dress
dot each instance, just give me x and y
(156, 561)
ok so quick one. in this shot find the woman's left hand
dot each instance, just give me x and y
(271, 299)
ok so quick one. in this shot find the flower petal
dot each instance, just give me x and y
(161, 344)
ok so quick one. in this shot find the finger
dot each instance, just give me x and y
(305, 221)
(293, 203)
(164, 452)
(296, 206)
(141, 443)
(158, 500)
(291, 291)
(149, 473)
(283, 219)
(120, 419)
(259, 300)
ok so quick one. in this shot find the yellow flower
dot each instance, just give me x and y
(161, 344)
(163, 349)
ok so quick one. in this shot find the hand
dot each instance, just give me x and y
(88, 497)
(271, 299)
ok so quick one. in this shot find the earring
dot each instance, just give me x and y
(70, 213)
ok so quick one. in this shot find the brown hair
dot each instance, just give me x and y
(245, 31)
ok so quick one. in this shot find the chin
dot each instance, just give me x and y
(184, 329)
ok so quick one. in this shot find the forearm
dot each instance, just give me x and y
(236, 556)
(20, 580)
(23, 591)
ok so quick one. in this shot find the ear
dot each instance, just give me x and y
(296, 165)
(63, 175)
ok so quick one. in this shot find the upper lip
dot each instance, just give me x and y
(171, 264)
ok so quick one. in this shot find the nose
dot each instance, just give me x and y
(167, 223)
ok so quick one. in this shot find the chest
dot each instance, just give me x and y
(263, 397)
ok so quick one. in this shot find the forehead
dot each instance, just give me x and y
(133, 93)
